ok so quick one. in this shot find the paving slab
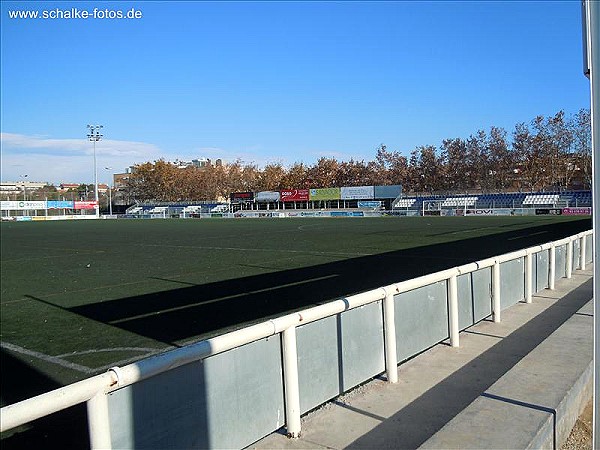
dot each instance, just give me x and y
(441, 382)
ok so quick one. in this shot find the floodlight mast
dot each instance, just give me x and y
(94, 136)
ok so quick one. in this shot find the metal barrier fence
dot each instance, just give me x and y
(233, 389)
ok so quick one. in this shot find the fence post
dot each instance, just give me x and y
(552, 269)
(582, 253)
(496, 307)
(389, 325)
(570, 258)
(453, 310)
(98, 422)
(290, 382)
(528, 277)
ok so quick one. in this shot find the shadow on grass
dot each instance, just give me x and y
(198, 311)
(65, 429)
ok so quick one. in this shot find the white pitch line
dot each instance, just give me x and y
(115, 349)
(47, 358)
(220, 299)
(133, 358)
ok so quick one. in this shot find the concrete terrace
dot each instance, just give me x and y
(520, 383)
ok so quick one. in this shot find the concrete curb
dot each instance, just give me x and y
(538, 400)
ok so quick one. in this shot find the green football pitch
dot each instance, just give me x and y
(79, 297)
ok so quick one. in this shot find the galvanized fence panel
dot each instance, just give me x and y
(541, 268)
(227, 400)
(512, 282)
(339, 352)
(421, 319)
(576, 253)
(560, 261)
(465, 301)
(474, 297)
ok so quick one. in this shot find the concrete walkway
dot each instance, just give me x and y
(436, 386)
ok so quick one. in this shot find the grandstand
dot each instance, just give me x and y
(515, 200)
(515, 203)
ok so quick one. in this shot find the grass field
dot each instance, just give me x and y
(79, 297)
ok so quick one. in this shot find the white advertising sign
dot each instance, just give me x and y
(358, 193)
(22, 205)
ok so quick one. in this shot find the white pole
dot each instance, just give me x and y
(99, 422)
(496, 306)
(453, 310)
(552, 269)
(570, 258)
(592, 62)
(591, 28)
(528, 278)
(290, 381)
(389, 320)
(582, 252)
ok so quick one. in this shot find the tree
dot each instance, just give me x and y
(271, 177)
(500, 160)
(582, 145)
(458, 169)
(324, 173)
(296, 177)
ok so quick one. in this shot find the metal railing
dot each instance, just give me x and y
(94, 390)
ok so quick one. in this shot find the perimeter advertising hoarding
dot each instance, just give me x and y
(388, 191)
(241, 197)
(548, 211)
(476, 212)
(84, 205)
(22, 205)
(577, 211)
(267, 196)
(60, 204)
(370, 205)
(324, 194)
(294, 195)
(357, 192)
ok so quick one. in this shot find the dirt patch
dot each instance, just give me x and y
(581, 435)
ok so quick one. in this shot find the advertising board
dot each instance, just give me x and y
(392, 191)
(294, 195)
(241, 197)
(369, 205)
(548, 211)
(84, 205)
(478, 212)
(577, 211)
(357, 192)
(60, 204)
(267, 196)
(22, 205)
(324, 194)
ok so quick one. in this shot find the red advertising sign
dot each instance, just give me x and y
(85, 205)
(294, 195)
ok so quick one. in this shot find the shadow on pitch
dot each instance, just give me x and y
(191, 312)
(65, 429)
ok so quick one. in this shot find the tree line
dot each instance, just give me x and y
(548, 153)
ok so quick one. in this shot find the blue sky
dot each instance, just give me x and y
(275, 81)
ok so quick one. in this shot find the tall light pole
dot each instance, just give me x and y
(109, 193)
(23, 176)
(94, 136)
(24, 191)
